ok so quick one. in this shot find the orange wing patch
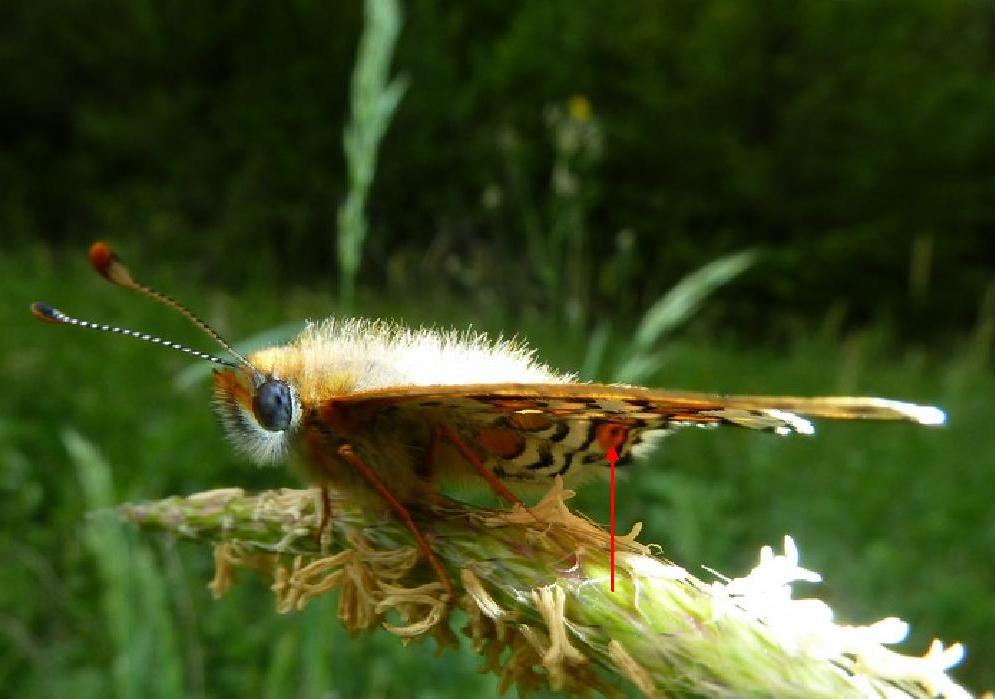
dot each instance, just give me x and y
(611, 435)
(513, 404)
(529, 420)
(502, 443)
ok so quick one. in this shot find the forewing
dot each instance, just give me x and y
(530, 432)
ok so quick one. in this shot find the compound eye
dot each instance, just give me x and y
(273, 405)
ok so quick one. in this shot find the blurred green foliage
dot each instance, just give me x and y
(838, 135)
(553, 169)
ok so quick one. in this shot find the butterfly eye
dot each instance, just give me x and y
(273, 405)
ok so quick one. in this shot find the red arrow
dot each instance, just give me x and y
(612, 457)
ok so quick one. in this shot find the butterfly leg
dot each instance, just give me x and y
(326, 514)
(356, 461)
(445, 431)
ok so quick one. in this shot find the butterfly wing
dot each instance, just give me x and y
(528, 433)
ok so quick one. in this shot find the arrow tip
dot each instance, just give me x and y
(612, 455)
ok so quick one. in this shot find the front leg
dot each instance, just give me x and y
(349, 454)
(326, 514)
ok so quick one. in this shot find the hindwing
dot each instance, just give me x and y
(532, 432)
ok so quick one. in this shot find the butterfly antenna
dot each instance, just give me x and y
(49, 314)
(110, 267)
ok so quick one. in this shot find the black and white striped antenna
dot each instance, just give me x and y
(110, 267)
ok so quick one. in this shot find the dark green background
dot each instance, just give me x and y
(849, 143)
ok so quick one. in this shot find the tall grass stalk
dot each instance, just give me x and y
(557, 235)
(374, 98)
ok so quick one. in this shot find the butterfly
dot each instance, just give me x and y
(387, 414)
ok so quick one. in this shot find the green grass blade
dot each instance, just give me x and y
(680, 303)
(672, 310)
(374, 99)
(134, 598)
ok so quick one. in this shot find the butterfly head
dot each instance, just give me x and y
(261, 410)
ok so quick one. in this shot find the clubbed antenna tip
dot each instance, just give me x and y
(109, 266)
